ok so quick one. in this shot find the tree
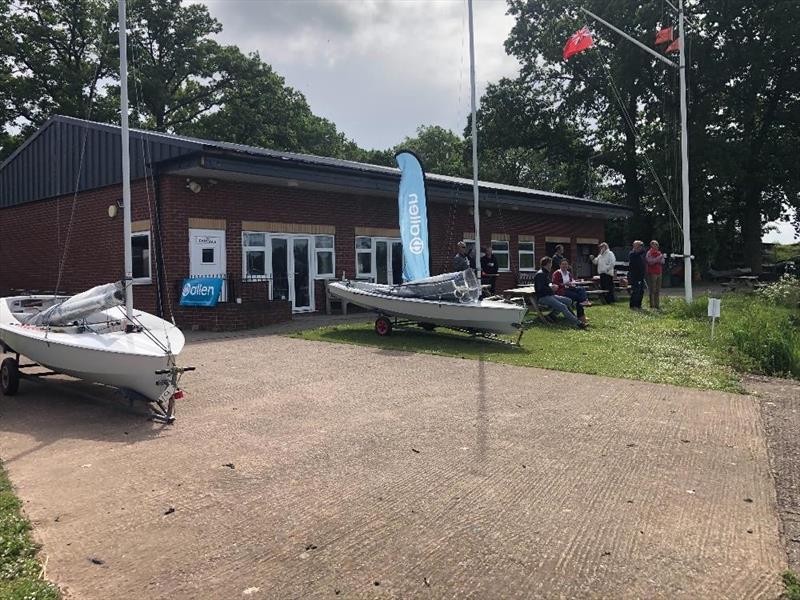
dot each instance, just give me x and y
(440, 150)
(58, 52)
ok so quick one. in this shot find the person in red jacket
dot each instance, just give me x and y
(565, 281)
(654, 260)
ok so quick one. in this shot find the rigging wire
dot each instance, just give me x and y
(629, 121)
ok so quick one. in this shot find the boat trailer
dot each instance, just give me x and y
(385, 324)
(162, 409)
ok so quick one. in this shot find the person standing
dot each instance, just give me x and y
(545, 296)
(605, 268)
(460, 260)
(558, 256)
(489, 269)
(565, 286)
(636, 273)
(655, 261)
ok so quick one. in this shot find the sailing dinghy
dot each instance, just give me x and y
(97, 335)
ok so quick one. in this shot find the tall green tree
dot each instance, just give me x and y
(440, 150)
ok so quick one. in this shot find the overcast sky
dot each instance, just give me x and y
(379, 69)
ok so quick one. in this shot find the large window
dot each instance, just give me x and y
(364, 262)
(500, 251)
(527, 258)
(257, 251)
(255, 255)
(323, 248)
(140, 247)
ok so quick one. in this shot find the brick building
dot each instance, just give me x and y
(276, 225)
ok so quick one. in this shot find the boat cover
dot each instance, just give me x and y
(461, 286)
(80, 306)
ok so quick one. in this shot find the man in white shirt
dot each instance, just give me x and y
(605, 268)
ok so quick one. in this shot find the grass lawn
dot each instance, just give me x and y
(20, 571)
(650, 346)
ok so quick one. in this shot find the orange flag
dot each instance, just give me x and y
(674, 46)
(578, 42)
(664, 35)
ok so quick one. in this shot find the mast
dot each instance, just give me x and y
(687, 241)
(475, 194)
(126, 160)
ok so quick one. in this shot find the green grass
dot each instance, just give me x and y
(791, 586)
(659, 347)
(20, 571)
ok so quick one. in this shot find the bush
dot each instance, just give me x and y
(784, 292)
(768, 339)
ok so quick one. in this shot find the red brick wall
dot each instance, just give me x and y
(33, 236)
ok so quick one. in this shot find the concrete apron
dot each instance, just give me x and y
(383, 474)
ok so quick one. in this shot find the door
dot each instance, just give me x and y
(302, 284)
(207, 255)
(388, 261)
(290, 261)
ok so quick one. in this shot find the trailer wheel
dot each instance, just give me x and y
(428, 326)
(9, 377)
(383, 326)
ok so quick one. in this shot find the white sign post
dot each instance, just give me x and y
(713, 312)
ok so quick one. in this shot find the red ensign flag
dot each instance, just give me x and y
(674, 46)
(664, 36)
(578, 42)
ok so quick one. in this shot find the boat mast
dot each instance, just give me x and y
(126, 160)
(475, 194)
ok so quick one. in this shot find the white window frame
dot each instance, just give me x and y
(149, 278)
(318, 251)
(247, 248)
(531, 253)
(371, 252)
(506, 253)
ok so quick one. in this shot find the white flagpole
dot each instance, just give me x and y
(126, 160)
(681, 66)
(687, 241)
(475, 194)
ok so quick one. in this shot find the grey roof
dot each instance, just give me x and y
(47, 163)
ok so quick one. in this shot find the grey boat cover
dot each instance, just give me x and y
(80, 306)
(461, 286)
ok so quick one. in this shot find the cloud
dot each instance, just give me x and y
(378, 69)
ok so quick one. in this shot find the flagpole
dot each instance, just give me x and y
(126, 161)
(681, 66)
(475, 193)
(687, 241)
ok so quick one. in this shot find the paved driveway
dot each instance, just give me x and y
(365, 473)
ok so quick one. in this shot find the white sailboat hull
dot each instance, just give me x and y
(485, 315)
(112, 357)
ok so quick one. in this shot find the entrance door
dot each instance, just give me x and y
(207, 255)
(388, 261)
(291, 271)
(302, 285)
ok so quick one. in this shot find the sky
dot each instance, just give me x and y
(379, 69)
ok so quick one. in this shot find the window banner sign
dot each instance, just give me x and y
(413, 217)
(201, 291)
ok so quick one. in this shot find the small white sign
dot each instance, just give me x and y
(713, 307)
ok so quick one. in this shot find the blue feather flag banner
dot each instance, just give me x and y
(413, 212)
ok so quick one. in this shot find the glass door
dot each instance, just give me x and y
(381, 261)
(397, 262)
(388, 261)
(280, 268)
(302, 289)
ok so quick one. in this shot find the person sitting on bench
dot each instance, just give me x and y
(543, 286)
(565, 286)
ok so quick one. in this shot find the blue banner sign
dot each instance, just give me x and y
(201, 291)
(413, 217)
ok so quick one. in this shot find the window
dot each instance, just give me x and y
(208, 256)
(364, 257)
(140, 247)
(255, 255)
(527, 261)
(500, 251)
(323, 248)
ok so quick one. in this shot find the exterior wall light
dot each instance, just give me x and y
(193, 186)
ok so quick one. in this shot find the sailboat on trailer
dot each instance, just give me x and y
(97, 335)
